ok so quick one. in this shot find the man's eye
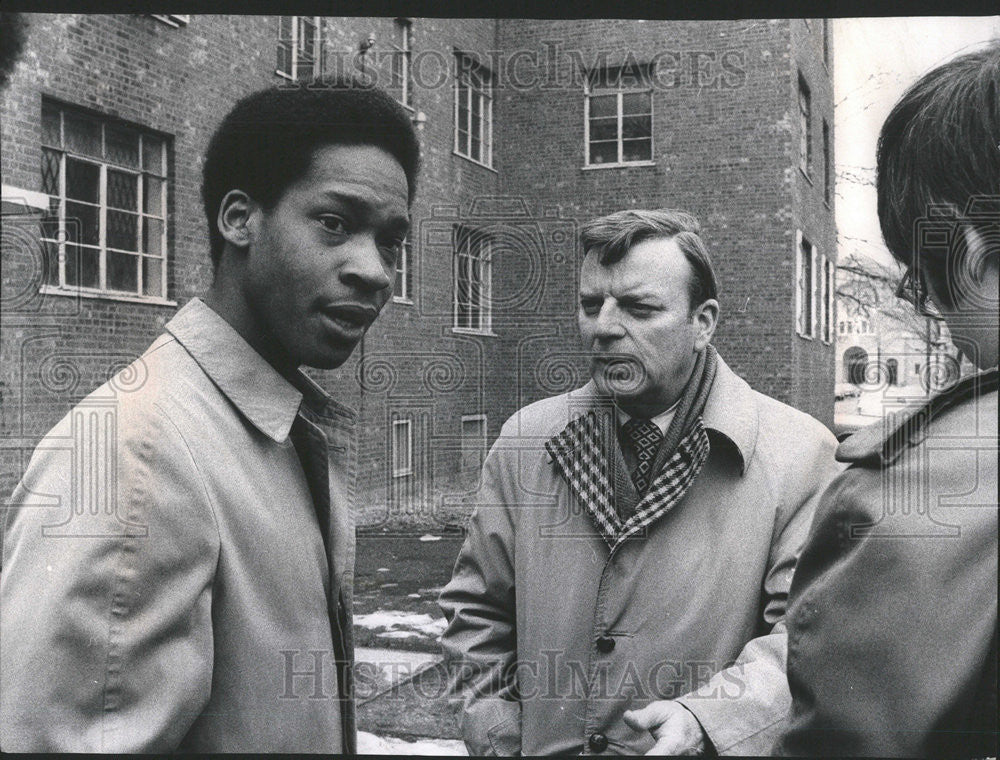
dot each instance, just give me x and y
(590, 307)
(641, 309)
(334, 223)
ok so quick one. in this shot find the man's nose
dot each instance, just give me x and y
(607, 325)
(364, 268)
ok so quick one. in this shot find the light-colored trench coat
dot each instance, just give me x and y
(552, 636)
(166, 584)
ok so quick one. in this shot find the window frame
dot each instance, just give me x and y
(827, 164)
(466, 66)
(805, 127)
(404, 274)
(294, 47)
(829, 299)
(399, 424)
(484, 257)
(482, 440)
(590, 91)
(404, 50)
(805, 250)
(59, 200)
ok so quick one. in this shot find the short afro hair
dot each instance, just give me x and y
(612, 236)
(267, 140)
(938, 157)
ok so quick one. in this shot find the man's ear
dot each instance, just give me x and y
(236, 214)
(980, 265)
(705, 319)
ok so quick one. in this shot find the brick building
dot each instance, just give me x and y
(527, 128)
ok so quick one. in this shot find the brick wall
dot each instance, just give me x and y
(725, 149)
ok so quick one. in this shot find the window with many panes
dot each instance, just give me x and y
(619, 116)
(805, 127)
(474, 111)
(473, 281)
(805, 288)
(402, 74)
(403, 288)
(106, 227)
(300, 44)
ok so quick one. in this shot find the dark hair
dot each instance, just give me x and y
(938, 153)
(614, 235)
(268, 139)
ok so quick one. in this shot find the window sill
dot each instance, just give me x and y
(804, 336)
(474, 161)
(52, 290)
(626, 165)
(402, 474)
(473, 331)
(400, 299)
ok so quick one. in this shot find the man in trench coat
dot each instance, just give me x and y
(622, 585)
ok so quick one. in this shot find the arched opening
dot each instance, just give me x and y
(892, 369)
(855, 361)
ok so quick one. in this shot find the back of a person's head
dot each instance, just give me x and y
(939, 154)
(267, 140)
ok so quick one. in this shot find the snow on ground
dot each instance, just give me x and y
(369, 744)
(394, 620)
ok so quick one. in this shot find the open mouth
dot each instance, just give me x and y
(350, 319)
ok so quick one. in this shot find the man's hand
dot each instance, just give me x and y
(676, 730)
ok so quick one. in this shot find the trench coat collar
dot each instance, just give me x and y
(256, 389)
(731, 410)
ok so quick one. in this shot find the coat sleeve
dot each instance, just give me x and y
(109, 554)
(891, 629)
(480, 643)
(742, 708)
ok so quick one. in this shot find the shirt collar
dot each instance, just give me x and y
(731, 410)
(262, 395)
(661, 420)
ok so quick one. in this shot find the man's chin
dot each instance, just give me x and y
(621, 380)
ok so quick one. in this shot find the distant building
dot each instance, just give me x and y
(528, 129)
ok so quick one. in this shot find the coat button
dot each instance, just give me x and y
(598, 742)
(605, 644)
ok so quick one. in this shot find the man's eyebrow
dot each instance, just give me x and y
(361, 204)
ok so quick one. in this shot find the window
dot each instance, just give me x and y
(619, 116)
(172, 19)
(805, 287)
(474, 111)
(300, 41)
(403, 288)
(473, 443)
(826, 41)
(805, 127)
(402, 448)
(106, 227)
(827, 165)
(473, 281)
(402, 76)
(827, 290)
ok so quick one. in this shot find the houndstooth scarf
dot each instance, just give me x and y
(581, 452)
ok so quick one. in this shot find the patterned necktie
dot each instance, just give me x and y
(645, 437)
